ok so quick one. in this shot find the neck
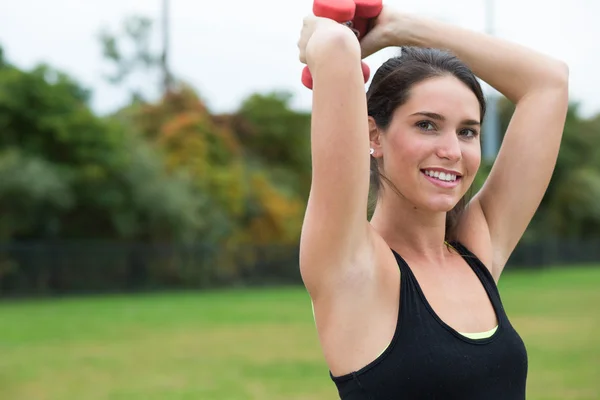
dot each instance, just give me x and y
(414, 233)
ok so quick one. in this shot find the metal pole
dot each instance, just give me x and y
(164, 61)
(491, 124)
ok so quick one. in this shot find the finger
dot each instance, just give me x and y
(302, 56)
(302, 51)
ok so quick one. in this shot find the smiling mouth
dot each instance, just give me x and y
(442, 176)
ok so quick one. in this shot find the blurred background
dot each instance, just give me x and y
(154, 169)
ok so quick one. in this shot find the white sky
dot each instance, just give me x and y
(228, 49)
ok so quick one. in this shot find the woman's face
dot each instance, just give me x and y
(431, 150)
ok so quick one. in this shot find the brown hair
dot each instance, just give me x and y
(390, 88)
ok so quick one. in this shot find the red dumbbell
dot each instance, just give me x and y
(357, 14)
(366, 11)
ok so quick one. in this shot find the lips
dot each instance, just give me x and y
(447, 176)
(446, 181)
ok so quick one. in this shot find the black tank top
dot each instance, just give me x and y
(427, 359)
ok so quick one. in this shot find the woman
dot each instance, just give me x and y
(406, 305)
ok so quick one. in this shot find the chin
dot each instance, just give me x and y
(440, 204)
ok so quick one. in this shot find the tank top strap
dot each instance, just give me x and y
(409, 287)
(473, 261)
(410, 303)
(482, 272)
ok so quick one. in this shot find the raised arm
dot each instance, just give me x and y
(535, 83)
(335, 224)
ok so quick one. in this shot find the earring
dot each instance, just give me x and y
(371, 151)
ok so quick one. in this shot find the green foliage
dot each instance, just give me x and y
(274, 131)
(65, 170)
(276, 137)
(137, 31)
(172, 171)
(45, 113)
(146, 202)
(33, 193)
(569, 207)
(129, 51)
(237, 177)
(2, 60)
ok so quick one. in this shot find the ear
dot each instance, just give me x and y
(374, 137)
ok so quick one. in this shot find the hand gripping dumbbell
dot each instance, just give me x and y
(356, 14)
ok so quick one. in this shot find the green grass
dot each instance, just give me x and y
(258, 344)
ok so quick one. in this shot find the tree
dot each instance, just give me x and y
(569, 209)
(65, 169)
(239, 182)
(33, 195)
(141, 60)
(276, 137)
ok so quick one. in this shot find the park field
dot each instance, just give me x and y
(258, 343)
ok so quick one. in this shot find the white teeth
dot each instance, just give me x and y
(447, 177)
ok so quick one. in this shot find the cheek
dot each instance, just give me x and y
(472, 157)
(409, 148)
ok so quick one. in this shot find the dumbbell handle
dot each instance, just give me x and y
(365, 12)
(357, 13)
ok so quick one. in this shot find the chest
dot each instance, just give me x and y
(454, 370)
(458, 297)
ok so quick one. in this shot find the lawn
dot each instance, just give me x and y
(258, 344)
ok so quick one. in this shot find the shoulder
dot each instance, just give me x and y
(474, 234)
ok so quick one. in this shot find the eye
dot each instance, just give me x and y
(470, 133)
(425, 125)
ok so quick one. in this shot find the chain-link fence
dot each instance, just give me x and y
(41, 268)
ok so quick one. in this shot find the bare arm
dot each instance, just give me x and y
(335, 224)
(538, 85)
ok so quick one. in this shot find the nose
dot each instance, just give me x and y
(449, 147)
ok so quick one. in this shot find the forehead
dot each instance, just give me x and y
(445, 95)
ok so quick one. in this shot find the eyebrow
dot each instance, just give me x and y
(439, 117)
